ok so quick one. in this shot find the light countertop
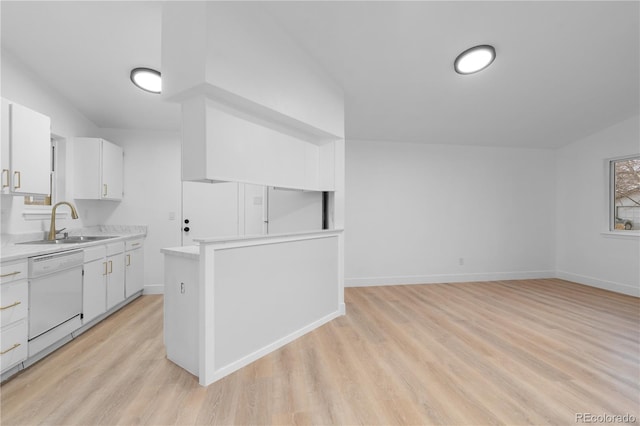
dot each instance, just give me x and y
(193, 251)
(189, 252)
(242, 238)
(10, 251)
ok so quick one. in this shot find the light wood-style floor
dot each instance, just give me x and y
(508, 352)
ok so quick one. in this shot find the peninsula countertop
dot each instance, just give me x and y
(193, 251)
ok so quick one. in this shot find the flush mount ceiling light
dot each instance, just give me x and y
(475, 59)
(147, 79)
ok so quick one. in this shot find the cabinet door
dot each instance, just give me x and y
(14, 298)
(86, 159)
(111, 171)
(134, 271)
(115, 280)
(30, 136)
(94, 291)
(13, 344)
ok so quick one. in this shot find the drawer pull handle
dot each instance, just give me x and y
(15, 345)
(105, 268)
(128, 260)
(18, 178)
(135, 244)
(10, 306)
(111, 266)
(105, 187)
(5, 185)
(10, 274)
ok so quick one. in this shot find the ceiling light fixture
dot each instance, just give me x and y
(147, 79)
(475, 59)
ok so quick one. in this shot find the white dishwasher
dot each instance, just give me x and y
(55, 297)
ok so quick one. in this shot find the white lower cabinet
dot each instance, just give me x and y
(13, 341)
(134, 267)
(180, 318)
(103, 283)
(94, 287)
(14, 301)
(115, 279)
(107, 267)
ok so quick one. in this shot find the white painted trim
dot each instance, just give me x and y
(610, 190)
(621, 234)
(153, 289)
(44, 214)
(446, 278)
(206, 317)
(596, 282)
(236, 365)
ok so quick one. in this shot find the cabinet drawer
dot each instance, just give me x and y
(115, 248)
(133, 244)
(10, 272)
(94, 253)
(13, 344)
(14, 299)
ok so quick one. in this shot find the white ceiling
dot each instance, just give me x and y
(563, 69)
(86, 50)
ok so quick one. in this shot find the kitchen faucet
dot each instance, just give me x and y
(52, 229)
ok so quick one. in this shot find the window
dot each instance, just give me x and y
(625, 194)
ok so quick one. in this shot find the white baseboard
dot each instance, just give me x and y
(446, 278)
(236, 365)
(596, 282)
(153, 289)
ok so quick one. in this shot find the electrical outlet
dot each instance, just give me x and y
(172, 215)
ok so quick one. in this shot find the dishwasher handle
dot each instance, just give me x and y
(47, 264)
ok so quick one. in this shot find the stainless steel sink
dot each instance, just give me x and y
(70, 240)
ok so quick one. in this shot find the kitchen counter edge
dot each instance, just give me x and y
(16, 252)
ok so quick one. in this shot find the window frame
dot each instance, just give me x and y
(611, 197)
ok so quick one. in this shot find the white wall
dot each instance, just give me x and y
(585, 252)
(228, 42)
(152, 189)
(414, 210)
(20, 84)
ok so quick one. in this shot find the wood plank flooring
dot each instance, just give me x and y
(507, 352)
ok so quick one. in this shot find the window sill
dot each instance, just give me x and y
(621, 234)
(43, 214)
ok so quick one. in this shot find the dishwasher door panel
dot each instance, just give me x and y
(54, 299)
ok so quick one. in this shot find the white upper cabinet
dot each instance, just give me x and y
(98, 166)
(26, 151)
(112, 168)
